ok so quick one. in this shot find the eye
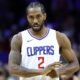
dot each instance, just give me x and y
(38, 16)
(31, 17)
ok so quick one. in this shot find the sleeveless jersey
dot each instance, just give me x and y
(39, 53)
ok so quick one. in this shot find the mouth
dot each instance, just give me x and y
(36, 25)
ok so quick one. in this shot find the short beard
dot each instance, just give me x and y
(37, 30)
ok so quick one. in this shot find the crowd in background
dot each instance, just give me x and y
(62, 15)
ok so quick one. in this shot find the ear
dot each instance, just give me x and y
(45, 16)
(27, 17)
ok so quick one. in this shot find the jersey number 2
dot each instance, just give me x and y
(41, 59)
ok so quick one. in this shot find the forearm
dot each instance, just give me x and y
(23, 72)
(68, 69)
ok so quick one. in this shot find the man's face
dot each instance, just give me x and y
(36, 18)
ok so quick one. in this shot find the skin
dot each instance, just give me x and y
(68, 54)
(15, 56)
(36, 19)
(15, 59)
(2, 77)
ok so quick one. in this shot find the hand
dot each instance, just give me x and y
(53, 73)
(49, 71)
(54, 67)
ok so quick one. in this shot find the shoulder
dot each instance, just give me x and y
(60, 35)
(16, 40)
(17, 37)
(63, 40)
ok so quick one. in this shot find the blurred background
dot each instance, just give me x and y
(62, 15)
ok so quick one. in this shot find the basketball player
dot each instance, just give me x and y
(35, 51)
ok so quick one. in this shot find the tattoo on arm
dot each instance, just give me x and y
(15, 55)
(15, 60)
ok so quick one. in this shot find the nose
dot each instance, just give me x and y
(35, 20)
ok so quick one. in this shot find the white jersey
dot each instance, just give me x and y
(39, 53)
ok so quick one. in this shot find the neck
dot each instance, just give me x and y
(40, 33)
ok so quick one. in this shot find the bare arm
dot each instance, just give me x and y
(68, 54)
(15, 59)
(66, 51)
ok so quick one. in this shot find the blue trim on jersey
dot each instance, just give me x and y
(39, 38)
(40, 50)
